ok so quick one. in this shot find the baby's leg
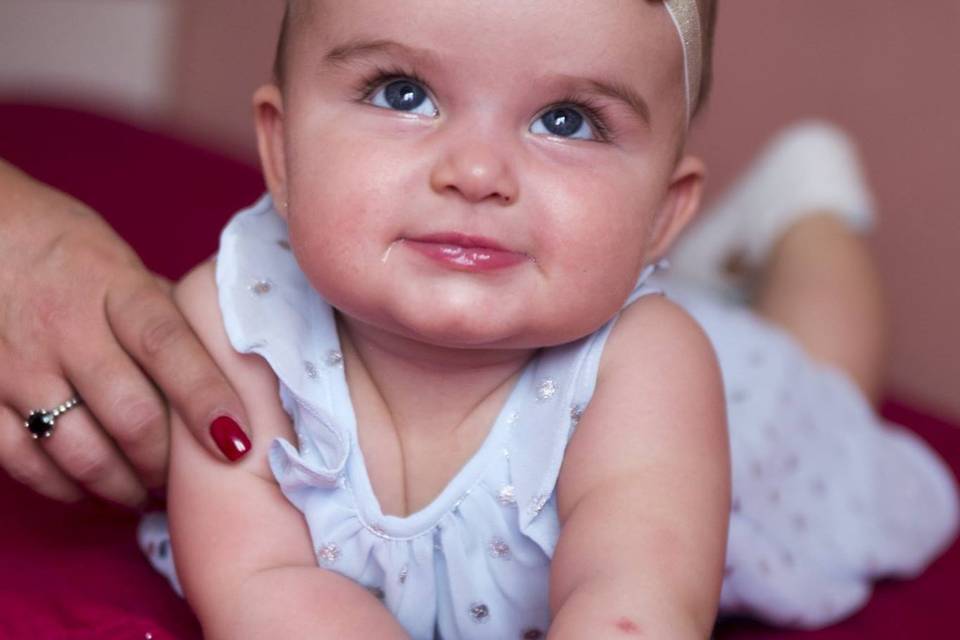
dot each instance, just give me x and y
(809, 167)
(819, 282)
(786, 240)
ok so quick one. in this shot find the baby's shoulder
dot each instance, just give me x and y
(196, 292)
(658, 371)
(250, 376)
(653, 330)
(658, 394)
(196, 297)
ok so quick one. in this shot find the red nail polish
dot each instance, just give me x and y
(230, 438)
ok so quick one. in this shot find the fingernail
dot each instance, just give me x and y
(230, 438)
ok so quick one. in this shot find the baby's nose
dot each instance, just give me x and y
(477, 172)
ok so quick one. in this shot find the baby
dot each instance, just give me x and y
(501, 430)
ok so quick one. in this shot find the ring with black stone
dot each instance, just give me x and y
(40, 422)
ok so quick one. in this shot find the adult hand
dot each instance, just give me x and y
(80, 315)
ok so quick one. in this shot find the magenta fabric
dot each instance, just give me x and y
(74, 572)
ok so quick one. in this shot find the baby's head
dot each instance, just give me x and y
(481, 174)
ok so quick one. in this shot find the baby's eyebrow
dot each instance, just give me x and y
(612, 89)
(361, 48)
(348, 51)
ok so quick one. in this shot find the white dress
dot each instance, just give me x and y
(826, 497)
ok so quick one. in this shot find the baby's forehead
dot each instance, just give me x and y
(631, 31)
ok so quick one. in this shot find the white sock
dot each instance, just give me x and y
(810, 167)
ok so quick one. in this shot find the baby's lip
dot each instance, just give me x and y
(455, 239)
(464, 252)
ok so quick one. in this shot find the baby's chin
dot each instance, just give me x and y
(468, 317)
(470, 331)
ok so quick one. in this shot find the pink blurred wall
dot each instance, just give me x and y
(887, 71)
(225, 51)
(884, 69)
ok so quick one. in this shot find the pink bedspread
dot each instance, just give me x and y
(73, 573)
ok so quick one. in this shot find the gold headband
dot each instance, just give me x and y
(686, 17)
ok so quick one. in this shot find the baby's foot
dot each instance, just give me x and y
(810, 168)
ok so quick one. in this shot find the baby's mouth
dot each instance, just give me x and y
(465, 253)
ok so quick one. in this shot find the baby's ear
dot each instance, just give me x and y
(680, 206)
(268, 117)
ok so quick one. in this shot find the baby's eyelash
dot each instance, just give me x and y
(595, 112)
(382, 75)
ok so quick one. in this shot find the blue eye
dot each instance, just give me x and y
(563, 122)
(404, 95)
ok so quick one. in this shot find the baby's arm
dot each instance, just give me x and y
(242, 551)
(644, 490)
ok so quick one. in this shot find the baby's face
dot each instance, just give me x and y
(475, 174)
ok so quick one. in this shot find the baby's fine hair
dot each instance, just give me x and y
(298, 11)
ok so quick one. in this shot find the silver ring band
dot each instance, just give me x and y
(40, 422)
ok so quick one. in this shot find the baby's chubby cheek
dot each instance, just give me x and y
(595, 233)
(348, 194)
(346, 209)
(330, 244)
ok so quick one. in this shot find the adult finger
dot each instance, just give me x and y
(25, 461)
(80, 448)
(152, 330)
(124, 403)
